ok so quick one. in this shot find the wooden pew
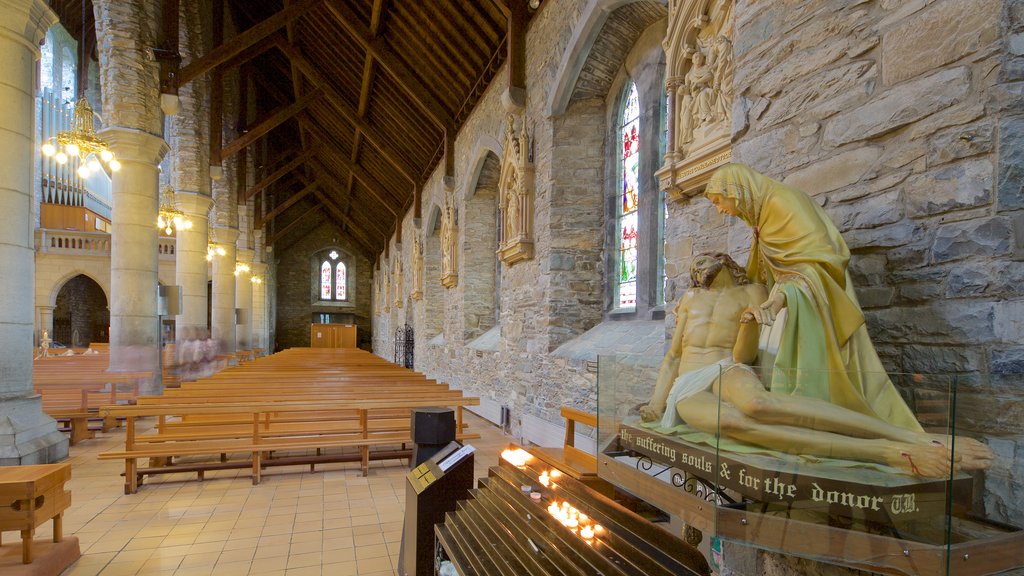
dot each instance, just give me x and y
(261, 437)
(569, 459)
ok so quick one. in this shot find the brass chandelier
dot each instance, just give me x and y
(170, 218)
(212, 248)
(81, 142)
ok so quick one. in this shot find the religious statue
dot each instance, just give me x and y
(44, 343)
(397, 280)
(449, 239)
(417, 268)
(706, 382)
(515, 193)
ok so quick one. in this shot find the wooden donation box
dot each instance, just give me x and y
(332, 336)
(31, 495)
(432, 489)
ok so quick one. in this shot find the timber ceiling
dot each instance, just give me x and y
(349, 102)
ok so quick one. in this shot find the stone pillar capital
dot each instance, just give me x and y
(225, 236)
(131, 145)
(244, 255)
(193, 204)
(45, 308)
(259, 269)
(26, 21)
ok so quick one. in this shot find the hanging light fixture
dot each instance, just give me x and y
(240, 268)
(81, 141)
(212, 248)
(170, 218)
(257, 279)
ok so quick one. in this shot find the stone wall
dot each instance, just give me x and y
(296, 284)
(555, 300)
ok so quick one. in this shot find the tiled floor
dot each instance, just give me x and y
(333, 522)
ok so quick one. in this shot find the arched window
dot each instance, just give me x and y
(340, 285)
(628, 224)
(333, 278)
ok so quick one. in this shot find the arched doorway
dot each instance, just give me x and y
(81, 316)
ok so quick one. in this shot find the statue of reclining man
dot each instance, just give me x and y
(716, 335)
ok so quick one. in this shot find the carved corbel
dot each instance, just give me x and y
(516, 192)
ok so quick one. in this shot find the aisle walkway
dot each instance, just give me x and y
(332, 522)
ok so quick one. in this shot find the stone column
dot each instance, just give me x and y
(223, 308)
(259, 307)
(243, 300)
(27, 435)
(191, 265)
(134, 261)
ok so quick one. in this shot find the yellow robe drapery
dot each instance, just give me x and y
(825, 350)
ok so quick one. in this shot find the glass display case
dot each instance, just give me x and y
(902, 492)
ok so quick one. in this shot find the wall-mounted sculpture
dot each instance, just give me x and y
(386, 299)
(449, 244)
(515, 190)
(417, 268)
(397, 277)
(699, 85)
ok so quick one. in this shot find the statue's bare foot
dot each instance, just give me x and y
(929, 461)
(973, 455)
(649, 414)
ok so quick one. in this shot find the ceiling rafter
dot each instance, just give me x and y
(376, 46)
(228, 50)
(329, 181)
(284, 229)
(262, 127)
(277, 174)
(343, 108)
(358, 235)
(280, 208)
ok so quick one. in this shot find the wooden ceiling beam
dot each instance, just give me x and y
(516, 43)
(284, 229)
(286, 204)
(355, 232)
(330, 182)
(343, 108)
(228, 50)
(267, 124)
(376, 46)
(292, 165)
(375, 188)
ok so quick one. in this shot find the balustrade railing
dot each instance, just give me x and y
(50, 241)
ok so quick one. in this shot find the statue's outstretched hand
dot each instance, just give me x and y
(650, 414)
(765, 313)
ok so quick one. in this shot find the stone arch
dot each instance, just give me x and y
(478, 275)
(81, 314)
(56, 286)
(484, 146)
(593, 35)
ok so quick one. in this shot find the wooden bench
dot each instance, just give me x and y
(261, 437)
(569, 459)
(73, 389)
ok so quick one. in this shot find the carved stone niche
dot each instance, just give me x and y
(417, 269)
(449, 244)
(385, 286)
(699, 84)
(515, 191)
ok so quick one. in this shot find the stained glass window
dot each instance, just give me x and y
(628, 225)
(325, 281)
(339, 284)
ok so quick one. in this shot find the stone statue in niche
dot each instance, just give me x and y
(449, 246)
(699, 87)
(417, 268)
(396, 279)
(386, 296)
(515, 189)
(707, 89)
(706, 381)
